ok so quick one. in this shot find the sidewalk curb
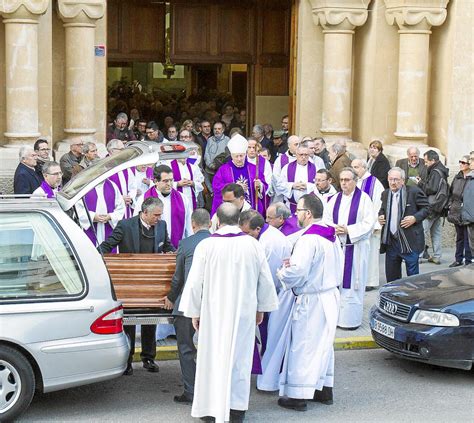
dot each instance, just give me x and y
(353, 343)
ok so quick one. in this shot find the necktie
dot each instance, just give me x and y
(394, 214)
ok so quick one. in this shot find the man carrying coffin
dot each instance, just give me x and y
(351, 213)
(312, 277)
(225, 315)
(241, 172)
(373, 188)
(297, 178)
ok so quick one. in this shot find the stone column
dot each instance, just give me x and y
(21, 69)
(338, 18)
(414, 20)
(79, 19)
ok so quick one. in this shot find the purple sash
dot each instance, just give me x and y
(290, 226)
(149, 173)
(291, 172)
(178, 214)
(216, 235)
(284, 160)
(327, 232)
(349, 253)
(177, 178)
(116, 180)
(91, 202)
(368, 185)
(262, 231)
(47, 189)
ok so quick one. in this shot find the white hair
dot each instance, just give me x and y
(24, 151)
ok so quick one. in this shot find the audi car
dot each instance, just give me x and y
(428, 318)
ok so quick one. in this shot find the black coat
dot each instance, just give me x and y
(416, 205)
(380, 169)
(26, 180)
(126, 236)
(455, 203)
(184, 260)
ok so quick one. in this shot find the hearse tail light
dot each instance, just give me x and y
(109, 323)
(434, 318)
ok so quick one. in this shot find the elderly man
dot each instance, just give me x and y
(283, 159)
(26, 180)
(321, 151)
(339, 160)
(89, 156)
(216, 146)
(373, 188)
(351, 213)
(226, 315)
(264, 170)
(71, 159)
(324, 189)
(188, 178)
(241, 172)
(313, 157)
(279, 216)
(297, 178)
(145, 233)
(51, 180)
(43, 151)
(413, 166)
(123, 179)
(258, 132)
(312, 277)
(119, 129)
(402, 213)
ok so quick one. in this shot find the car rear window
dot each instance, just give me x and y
(36, 260)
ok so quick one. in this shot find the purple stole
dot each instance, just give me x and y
(47, 189)
(290, 226)
(262, 231)
(311, 169)
(327, 232)
(149, 173)
(284, 160)
(177, 177)
(368, 185)
(178, 214)
(349, 253)
(91, 202)
(116, 180)
(216, 235)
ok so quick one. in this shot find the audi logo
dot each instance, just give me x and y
(390, 308)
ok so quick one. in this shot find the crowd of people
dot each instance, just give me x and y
(274, 230)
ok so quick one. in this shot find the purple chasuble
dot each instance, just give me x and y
(178, 214)
(116, 180)
(291, 172)
(47, 189)
(91, 202)
(368, 185)
(290, 226)
(349, 252)
(177, 178)
(327, 232)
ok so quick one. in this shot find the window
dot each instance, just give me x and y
(35, 259)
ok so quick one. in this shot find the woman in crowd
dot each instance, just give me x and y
(378, 163)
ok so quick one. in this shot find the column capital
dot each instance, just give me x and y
(86, 11)
(337, 15)
(416, 14)
(23, 9)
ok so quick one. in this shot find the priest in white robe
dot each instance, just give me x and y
(351, 213)
(297, 178)
(280, 162)
(142, 181)
(52, 177)
(373, 188)
(312, 275)
(188, 179)
(226, 315)
(265, 171)
(324, 189)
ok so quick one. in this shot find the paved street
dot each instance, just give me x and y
(371, 386)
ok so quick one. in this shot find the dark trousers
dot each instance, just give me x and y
(394, 258)
(186, 351)
(463, 252)
(148, 333)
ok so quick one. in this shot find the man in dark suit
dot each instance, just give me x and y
(200, 221)
(413, 166)
(26, 180)
(402, 213)
(145, 233)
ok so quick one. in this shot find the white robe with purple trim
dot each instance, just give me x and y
(286, 186)
(352, 299)
(279, 164)
(228, 283)
(198, 179)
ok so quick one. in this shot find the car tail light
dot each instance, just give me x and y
(109, 323)
(169, 148)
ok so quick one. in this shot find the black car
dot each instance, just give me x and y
(428, 318)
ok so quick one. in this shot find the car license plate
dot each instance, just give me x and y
(384, 329)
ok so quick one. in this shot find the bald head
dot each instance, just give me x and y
(360, 166)
(293, 143)
(228, 214)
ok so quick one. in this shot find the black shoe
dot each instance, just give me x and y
(129, 370)
(293, 404)
(468, 262)
(208, 419)
(183, 399)
(352, 328)
(456, 264)
(150, 365)
(324, 396)
(425, 253)
(237, 416)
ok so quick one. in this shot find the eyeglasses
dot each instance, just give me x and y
(321, 180)
(149, 132)
(272, 217)
(463, 162)
(394, 179)
(55, 174)
(345, 180)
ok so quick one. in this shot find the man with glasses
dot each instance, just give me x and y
(402, 213)
(351, 213)
(145, 233)
(71, 159)
(43, 151)
(280, 162)
(324, 188)
(297, 178)
(153, 133)
(26, 180)
(52, 176)
(413, 166)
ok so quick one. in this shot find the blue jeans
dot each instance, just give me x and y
(393, 262)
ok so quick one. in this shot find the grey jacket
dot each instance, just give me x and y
(467, 212)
